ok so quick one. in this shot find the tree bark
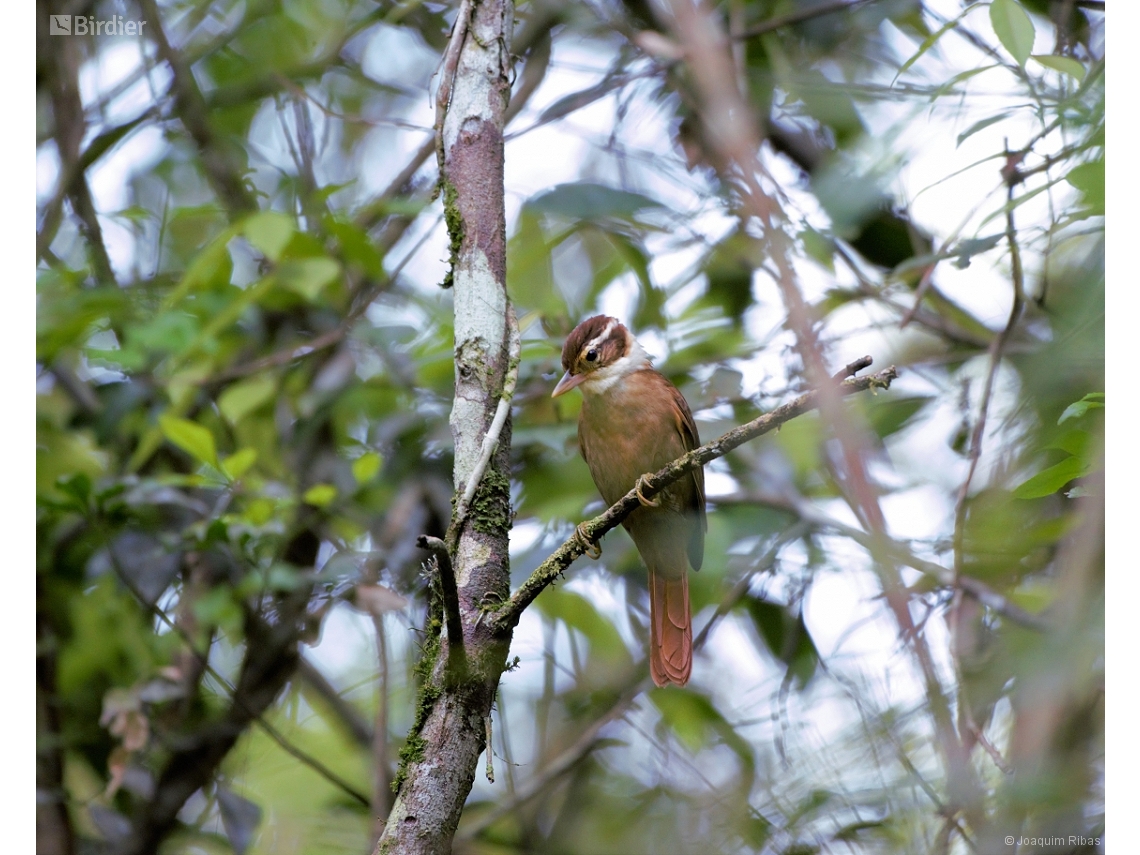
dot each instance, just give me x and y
(441, 755)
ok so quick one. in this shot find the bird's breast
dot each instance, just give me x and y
(627, 431)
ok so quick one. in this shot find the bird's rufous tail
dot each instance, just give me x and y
(671, 630)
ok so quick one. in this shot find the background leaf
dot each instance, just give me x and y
(1013, 28)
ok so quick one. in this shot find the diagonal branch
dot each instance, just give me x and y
(507, 617)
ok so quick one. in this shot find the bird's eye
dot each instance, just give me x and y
(591, 355)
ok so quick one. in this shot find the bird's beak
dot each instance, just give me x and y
(568, 382)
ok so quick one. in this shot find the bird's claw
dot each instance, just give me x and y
(638, 487)
(593, 550)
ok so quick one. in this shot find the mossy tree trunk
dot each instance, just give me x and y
(441, 757)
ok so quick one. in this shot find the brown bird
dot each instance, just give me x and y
(634, 422)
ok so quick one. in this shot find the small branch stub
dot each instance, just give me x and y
(456, 656)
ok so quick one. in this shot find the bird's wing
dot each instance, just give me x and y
(687, 428)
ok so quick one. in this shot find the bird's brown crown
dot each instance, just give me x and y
(597, 341)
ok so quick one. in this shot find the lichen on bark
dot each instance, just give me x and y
(453, 219)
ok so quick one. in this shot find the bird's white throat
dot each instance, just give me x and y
(603, 379)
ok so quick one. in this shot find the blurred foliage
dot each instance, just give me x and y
(244, 378)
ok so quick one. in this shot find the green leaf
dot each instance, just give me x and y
(1049, 481)
(240, 818)
(786, 636)
(694, 720)
(269, 232)
(192, 438)
(77, 486)
(966, 249)
(927, 43)
(212, 261)
(320, 495)
(1064, 64)
(980, 125)
(366, 467)
(1014, 204)
(243, 398)
(184, 385)
(1013, 28)
(356, 247)
(948, 87)
(687, 714)
(309, 276)
(260, 511)
(218, 608)
(890, 415)
(586, 201)
(819, 248)
(238, 463)
(1089, 179)
(769, 621)
(1091, 401)
(608, 655)
(1075, 442)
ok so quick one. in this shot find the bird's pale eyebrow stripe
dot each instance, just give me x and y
(596, 341)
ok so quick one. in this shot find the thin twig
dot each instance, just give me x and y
(450, 66)
(508, 615)
(490, 751)
(997, 347)
(852, 368)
